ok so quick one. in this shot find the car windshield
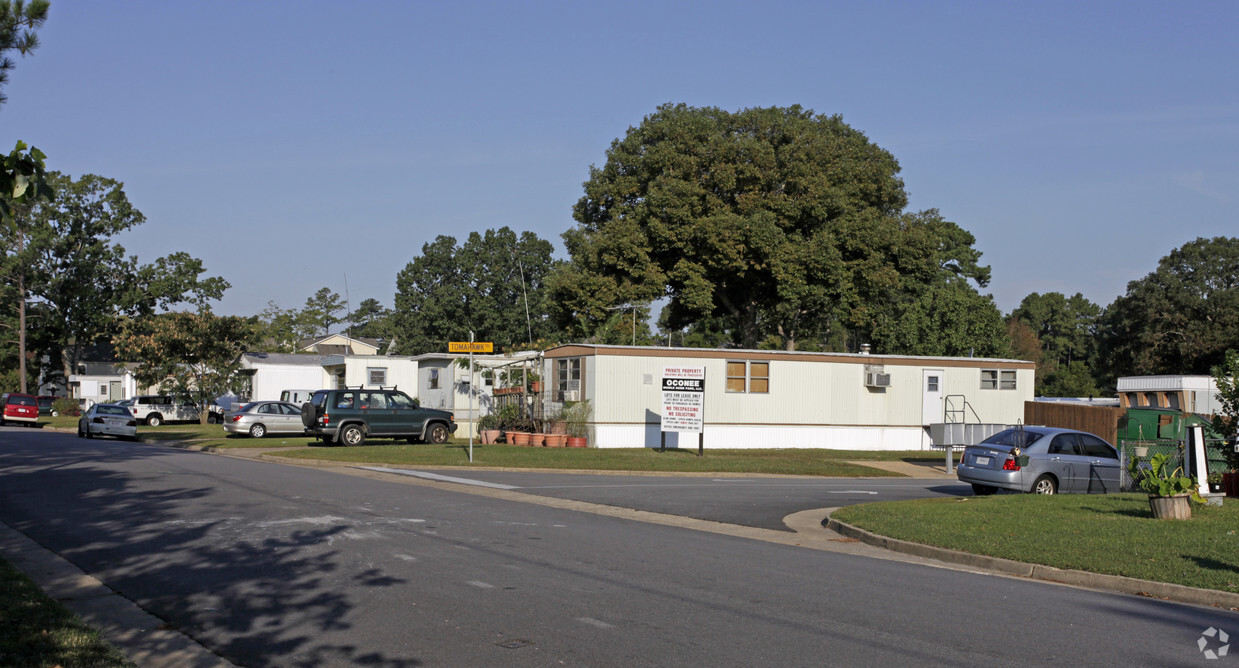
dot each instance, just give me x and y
(1013, 437)
(45, 401)
(112, 410)
(22, 401)
(247, 407)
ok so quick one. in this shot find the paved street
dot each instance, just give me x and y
(273, 565)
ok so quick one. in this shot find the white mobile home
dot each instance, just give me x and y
(272, 373)
(1190, 394)
(777, 399)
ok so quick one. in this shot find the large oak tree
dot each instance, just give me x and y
(779, 226)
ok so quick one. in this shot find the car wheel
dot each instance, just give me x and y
(212, 419)
(352, 435)
(413, 440)
(438, 433)
(88, 432)
(1045, 484)
(258, 431)
(154, 419)
(983, 490)
(55, 413)
(80, 433)
(328, 440)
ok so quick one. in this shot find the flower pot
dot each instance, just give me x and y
(518, 437)
(577, 442)
(490, 436)
(1021, 461)
(1215, 488)
(537, 440)
(1142, 451)
(1178, 507)
(555, 440)
(535, 387)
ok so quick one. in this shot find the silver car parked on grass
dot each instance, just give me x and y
(108, 420)
(259, 418)
(1059, 460)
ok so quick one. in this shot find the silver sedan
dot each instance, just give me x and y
(259, 418)
(108, 420)
(1041, 460)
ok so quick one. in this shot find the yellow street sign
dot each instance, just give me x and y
(467, 347)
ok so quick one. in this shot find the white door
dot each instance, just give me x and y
(931, 396)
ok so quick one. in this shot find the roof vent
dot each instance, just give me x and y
(864, 348)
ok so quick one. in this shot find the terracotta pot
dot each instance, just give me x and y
(490, 436)
(577, 442)
(518, 437)
(537, 440)
(1178, 507)
(535, 387)
(555, 440)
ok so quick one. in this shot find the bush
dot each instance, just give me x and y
(66, 406)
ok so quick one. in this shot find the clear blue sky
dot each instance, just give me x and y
(289, 144)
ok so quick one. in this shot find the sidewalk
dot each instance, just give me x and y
(910, 469)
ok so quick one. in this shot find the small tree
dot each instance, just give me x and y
(193, 355)
(1226, 421)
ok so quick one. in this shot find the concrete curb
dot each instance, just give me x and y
(1101, 581)
(145, 639)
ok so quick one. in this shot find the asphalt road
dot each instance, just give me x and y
(760, 502)
(274, 565)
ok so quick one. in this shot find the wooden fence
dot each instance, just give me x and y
(1102, 421)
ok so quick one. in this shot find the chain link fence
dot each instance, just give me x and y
(1144, 449)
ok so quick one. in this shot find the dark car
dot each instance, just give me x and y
(350, 416)
(19, 408)
(1059, 460)
(45, 405)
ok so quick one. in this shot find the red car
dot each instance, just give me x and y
(20, 408)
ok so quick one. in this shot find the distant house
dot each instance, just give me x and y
(787, 399)
(1189, 394)
(339, 344)
(102, 382)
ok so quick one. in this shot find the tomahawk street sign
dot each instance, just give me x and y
(467, 347)
(684, 399)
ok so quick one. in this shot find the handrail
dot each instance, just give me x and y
(948, 409)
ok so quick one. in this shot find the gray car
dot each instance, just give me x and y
(108, 420)
(259, 418)
(1059, 460)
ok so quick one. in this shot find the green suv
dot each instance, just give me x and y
(352, 415)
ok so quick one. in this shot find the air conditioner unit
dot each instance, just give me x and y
(572, 395)
(873, 379)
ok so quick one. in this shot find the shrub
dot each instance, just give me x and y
(66, 406)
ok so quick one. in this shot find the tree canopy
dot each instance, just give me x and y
(1066, 330)
(492, 284)
(18, 21)
(193, 355)
(777, 225)
(1179, 319)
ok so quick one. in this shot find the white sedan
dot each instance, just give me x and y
(108, 420)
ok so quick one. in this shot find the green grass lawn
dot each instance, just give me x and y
(456, 453)
(1113, 534)
(37, 631)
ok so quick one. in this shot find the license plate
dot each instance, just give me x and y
(981, 461)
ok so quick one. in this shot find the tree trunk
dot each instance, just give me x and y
(21, 331)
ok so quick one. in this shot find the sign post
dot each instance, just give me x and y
(684, 403)
(470, 347)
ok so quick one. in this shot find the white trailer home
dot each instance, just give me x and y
(272, 373)
(779, 399)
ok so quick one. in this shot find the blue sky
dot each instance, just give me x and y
(293, 144)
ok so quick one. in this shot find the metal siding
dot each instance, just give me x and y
(270, 380)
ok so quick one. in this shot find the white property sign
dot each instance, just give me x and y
(684, 399)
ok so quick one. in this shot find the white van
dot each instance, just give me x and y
(296, 396)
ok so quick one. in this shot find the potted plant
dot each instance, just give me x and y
(488, 429)
(1215, 482)
(576, 421)
(1170, 491)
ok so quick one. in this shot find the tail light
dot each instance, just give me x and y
(326, 419)
(236, 418)
(131, 423)
(1010, 464)
(97, 420)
